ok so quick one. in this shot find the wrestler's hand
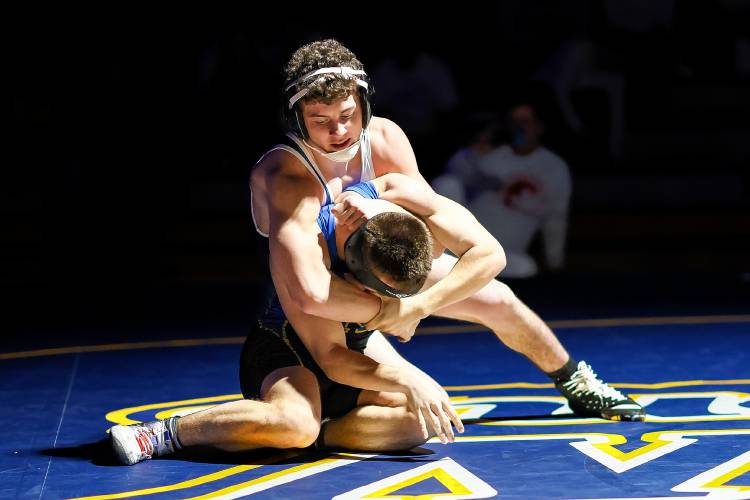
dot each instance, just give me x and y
(431, 380)
(398, 317)
(351, 209)
(432, 407)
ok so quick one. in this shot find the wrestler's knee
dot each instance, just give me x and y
(503, 294)
(302, 437)
(298, 428)
(495, 302)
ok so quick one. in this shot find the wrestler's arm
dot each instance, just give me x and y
(382, 351)
(297, 265)
(480, 256)
(326, 342)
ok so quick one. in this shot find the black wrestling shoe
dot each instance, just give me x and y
(588, 396)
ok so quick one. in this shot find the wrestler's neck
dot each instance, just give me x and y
(348, 171)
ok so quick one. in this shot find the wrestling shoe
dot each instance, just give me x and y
(138, 442)
(589, 396)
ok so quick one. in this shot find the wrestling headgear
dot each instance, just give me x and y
(296, 90)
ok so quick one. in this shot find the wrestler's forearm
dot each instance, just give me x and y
(325, 340)
(477, 267)
(344, 302)
(481, 256)
(299, 272)
(357, 370)
(382, 351)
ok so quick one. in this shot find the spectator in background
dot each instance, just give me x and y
(528, 190)
(462, 179)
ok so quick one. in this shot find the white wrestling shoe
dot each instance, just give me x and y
(138, 442)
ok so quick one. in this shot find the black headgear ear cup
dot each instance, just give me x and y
(294, 120)
(365, 97)
(298, 122)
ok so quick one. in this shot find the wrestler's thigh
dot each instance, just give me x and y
(375, 428)
(293, 389)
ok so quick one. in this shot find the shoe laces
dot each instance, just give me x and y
(584, 380)
(143, 438)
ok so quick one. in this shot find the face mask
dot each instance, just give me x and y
(519, 137)
(342, 156)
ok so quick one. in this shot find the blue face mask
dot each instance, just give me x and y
(519, 137)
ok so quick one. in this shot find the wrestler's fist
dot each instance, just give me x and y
(398, 317)
(351, 209)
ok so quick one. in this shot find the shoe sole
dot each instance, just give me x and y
(624, 415)
(616, 414)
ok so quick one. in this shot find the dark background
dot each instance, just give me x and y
(131, 135)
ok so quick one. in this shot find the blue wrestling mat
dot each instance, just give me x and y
(692, 375)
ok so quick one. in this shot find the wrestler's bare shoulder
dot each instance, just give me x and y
(281, 164)
(384, 132)
(391, 150)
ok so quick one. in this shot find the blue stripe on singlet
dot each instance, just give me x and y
(327, 224)
(366, 189)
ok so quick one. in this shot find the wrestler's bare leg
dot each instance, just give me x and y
(497, 307)
(287, 417)
(381, 422)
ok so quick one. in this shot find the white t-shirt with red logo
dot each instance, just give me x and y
(525, 194)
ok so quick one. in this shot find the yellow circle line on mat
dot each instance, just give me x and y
(196, 481)
(657, 385)
(121, 416)
(428, 330)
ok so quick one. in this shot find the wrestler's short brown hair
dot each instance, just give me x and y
(398, 245)
(323, 54)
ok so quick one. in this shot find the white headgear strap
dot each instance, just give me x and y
(345, 71)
